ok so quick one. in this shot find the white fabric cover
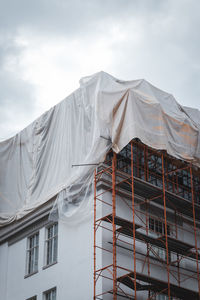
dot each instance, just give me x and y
(36, 164)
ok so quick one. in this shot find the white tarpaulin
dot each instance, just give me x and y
(36, 164)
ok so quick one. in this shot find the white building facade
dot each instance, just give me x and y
(58, 268)
(44, 260)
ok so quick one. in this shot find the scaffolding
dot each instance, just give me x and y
(145, 181)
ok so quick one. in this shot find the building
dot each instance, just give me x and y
(140, 238)
(44, 260)
(149, 225)
(51, 260)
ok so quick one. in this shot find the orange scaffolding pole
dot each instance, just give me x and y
(114, 226)
(147, 170)
(195, 229)
(133, 209)
(178, 261)
(165, 216)
(94, 284)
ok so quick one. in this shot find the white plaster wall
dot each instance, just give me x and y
(72, 275)
(19, 287)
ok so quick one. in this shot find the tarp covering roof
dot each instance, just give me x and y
(36, 164)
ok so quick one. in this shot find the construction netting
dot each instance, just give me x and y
(57, 153)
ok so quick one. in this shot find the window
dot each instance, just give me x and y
(157, 228)
(50, 294)
(32, 254)
(158, 296)
(155, 296)
(51, 244)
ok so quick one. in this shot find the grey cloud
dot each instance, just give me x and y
(17, 100)
(167, 52)
(17, 104)
(72, 16)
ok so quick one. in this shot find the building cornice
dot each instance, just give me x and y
(29, 223)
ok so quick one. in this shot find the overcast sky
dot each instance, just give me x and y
(46, 46)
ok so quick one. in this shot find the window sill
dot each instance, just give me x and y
(28, 275)
(47, 266)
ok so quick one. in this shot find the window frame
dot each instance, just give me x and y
(157, 228)
(49, 291)
(53, 238)
(30, 248)
(32, 298)
(157, 296)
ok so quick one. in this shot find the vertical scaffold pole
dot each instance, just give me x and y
(94, 297)
(133, 209)
(113, 225)
(146, 207)
(195, 228)
(177, 255)
(165, 216)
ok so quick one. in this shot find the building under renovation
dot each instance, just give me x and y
(149, 226)
(100, 198)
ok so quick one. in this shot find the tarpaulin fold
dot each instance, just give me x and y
(37, 163)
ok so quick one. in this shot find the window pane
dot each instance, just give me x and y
(55, 229)
(54, 295)
(51, 244)
(36, 259)
(37, 239)
(32, 253)
(31, 242)
(31, 261)
(151, 223)
(49, 251)
(50, 232)
(50, 295)
(156, 226)
(55, 249)
(160, 227)
(168, 229)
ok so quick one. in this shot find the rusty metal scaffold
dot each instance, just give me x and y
(153, 178)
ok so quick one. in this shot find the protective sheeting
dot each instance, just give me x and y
(38, 163)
